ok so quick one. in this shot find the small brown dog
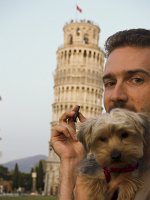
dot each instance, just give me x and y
(115, 142)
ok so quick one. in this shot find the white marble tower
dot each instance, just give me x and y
(77, 81)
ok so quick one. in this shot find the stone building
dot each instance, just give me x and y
(77, 81)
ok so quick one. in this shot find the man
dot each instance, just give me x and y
(127, 85)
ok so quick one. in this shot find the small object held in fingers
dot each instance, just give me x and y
(76, 114)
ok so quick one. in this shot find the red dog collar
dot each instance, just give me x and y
(107, 170)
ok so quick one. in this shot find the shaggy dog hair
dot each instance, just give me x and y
(114, 143)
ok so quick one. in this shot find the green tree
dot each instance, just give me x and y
(26, 181)
(40, 176)
(3, 172)
(16, 177)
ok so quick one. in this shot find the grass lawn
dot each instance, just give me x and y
(28, 198)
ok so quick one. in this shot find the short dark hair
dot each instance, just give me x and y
(132, 37)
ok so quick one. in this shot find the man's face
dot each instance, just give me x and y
(127, 79)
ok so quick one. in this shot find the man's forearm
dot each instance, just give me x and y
(68, 174)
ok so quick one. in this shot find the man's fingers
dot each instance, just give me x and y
(71, 130)
(68, 119)
(75, 108)
(66, 116)
(59, 130)
(63, 130)
(81, 117)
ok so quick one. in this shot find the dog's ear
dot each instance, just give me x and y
(85, 133)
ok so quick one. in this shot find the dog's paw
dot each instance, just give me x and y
(128, 190)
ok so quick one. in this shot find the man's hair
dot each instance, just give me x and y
(133, 37)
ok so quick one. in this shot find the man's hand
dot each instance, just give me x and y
(64, 139)
(70, 151)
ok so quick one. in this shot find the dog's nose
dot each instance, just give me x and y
(115, 155)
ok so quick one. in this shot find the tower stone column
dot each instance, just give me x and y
(77, 81)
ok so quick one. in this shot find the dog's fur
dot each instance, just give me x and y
(120, 131)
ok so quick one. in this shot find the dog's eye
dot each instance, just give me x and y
(124, 135)
(103, 139)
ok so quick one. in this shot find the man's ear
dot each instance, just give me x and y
(85, 133)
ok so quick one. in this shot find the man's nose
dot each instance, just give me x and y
(119, 93)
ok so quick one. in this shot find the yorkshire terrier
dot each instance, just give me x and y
(114, 143)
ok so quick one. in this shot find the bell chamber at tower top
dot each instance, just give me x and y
(83, 32)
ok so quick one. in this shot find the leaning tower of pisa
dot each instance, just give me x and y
(77, 81)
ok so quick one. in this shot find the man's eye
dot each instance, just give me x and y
(137, 80)
(109, 84)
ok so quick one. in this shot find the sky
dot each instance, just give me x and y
(30, 33)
